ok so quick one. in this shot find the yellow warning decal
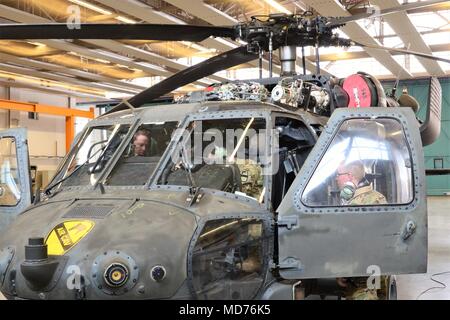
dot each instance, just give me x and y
(66, 235)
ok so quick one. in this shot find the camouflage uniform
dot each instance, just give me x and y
(357, 289)
(251, 179)
(366, 195)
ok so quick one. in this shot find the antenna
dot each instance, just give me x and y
(397, 81)
(303, 61)
(260, 63)
(270, 54)
(317, 59)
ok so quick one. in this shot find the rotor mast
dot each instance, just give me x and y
(288, 57)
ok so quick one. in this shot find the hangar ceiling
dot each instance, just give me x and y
(107, 68)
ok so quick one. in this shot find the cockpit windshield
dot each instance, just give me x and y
(92, 154)
(227, 155)
(88, 160)
(141, 156)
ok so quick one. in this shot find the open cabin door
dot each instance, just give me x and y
(15, 186)
(329, 226)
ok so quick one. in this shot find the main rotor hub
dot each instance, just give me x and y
(289, 30)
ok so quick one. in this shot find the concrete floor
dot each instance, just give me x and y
(411, 286)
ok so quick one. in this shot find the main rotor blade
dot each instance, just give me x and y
(374, 13)
(163, 32)
(203, 69)
(415, 53)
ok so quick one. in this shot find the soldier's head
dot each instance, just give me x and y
(350, 172)
(141, 142)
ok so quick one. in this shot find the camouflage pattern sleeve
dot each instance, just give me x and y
(367, 198)
(251, 179)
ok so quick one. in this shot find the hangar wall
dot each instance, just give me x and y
(46, 135)
(437, 155)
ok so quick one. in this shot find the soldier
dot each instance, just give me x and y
(356, 190)
(251, 178)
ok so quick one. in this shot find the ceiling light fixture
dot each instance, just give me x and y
(36, 43)
(91, 7)
(126, 20)
(11, 77)
(101, 10)
(195, 46)
(278, 7)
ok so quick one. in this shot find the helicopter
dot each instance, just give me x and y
(235, 195)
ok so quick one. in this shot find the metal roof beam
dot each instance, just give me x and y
(20, 84)
(432, 8)
(354, 31)
(407, 32)
(349, 55)
(24, 17)
(143, 55)
(145, 13)
(60, 78)
(36, 64)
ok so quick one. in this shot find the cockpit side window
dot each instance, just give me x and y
(228, 260)
(295, 142)
(142, 155)
(368, 162)
(226, 154)
(9, 174)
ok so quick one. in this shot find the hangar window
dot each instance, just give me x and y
(9, 173)
(142, 155)
(367, 163)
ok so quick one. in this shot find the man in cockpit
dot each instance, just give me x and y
(142, 143)
(354, 187)
(356, 190)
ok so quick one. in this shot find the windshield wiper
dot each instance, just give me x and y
(187, 167)
(49, 188)
(194, 190)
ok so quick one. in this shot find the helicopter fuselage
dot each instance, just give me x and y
(139, 242)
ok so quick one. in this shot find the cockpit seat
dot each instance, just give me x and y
(215, 176)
